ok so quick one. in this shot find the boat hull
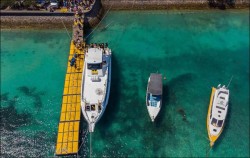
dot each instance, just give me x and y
(214, 128)
(212, 139)
(154, 100)
(104, 103)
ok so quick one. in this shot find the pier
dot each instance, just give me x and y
(69, 125)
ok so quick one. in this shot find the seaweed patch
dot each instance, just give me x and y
(183, 114)
(10, 118)
(33, 93)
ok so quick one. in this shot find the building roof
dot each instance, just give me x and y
(155, 84)
(94, 55)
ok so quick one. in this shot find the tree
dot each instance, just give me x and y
(5, 3)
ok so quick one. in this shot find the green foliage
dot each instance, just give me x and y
(28, 3)
(5, 3)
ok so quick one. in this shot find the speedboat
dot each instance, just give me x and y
(154, 95)
(96, 80)
(217, 112)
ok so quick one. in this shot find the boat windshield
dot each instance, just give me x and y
(217, 123)
(220, 123)
(154, 97)
(95, 66)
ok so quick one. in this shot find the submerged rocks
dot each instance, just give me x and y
(182, 113)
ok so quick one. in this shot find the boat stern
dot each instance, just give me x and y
(212, 140)
(91, 127)
(152, 118)
(211, 143)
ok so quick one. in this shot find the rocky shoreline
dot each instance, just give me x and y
(36, 22)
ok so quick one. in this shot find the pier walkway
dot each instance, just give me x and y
(69, 125)
(68, 129)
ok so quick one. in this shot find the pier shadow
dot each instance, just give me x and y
(231, 3)
(221, 4)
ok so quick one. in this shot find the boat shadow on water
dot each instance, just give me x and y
(170, 99)
(160, 120)
(114, 97)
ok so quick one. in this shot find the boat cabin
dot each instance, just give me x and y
(94, 61)
(220, 109)
(154, 89)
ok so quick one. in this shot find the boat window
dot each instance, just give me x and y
(214, 121)
(93, 107)
(87, 108)
(219, 111)
(220, 108)
(220, 122)
(222, 92)
(222, 98)
(95, 66)
(155, 97)
(214, 130)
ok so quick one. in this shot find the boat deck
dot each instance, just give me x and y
(68, 128)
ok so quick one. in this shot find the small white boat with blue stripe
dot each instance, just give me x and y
(154, 95)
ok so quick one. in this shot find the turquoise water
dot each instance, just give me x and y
(194, 50)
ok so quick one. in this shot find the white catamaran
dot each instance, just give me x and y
(154, 95)
(96, 80)
(217, 112)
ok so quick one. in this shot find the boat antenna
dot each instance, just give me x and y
(99, 22)
(230, 81)
(65, 28)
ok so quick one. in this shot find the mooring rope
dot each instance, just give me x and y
(65, 28)
(90, 145)
(99, 22)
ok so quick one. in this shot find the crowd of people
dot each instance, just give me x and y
(74, 5)
(77, 35)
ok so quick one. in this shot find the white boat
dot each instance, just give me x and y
(217, 112)
(154, 95)
(96, 80)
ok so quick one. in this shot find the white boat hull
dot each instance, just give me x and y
(154, 95)
(95, 95)
(217, 113)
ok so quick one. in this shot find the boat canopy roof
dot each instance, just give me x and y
(155, 84)
(94, 55)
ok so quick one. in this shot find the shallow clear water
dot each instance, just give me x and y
(194, 50)
(33, 67)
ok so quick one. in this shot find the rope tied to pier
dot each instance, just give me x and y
(99, 22)
(65, 28)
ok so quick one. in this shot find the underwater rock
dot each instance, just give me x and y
(4, 97)
(31, 92)
(183, 114)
